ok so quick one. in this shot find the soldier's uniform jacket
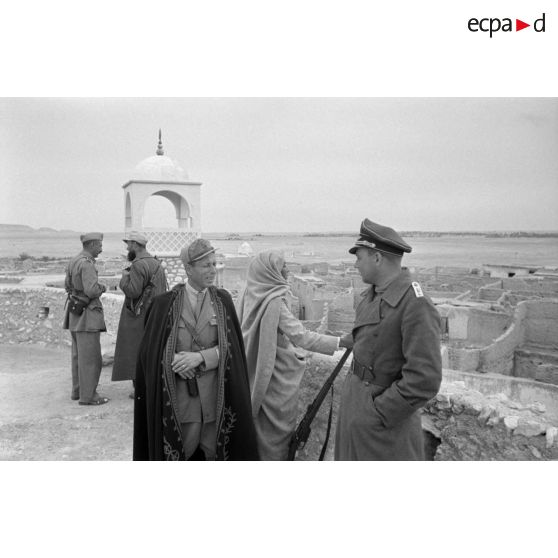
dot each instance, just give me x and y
(397, 347)
(82, 279)
(200, 408)
(142, 270)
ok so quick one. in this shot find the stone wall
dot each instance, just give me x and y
(538, 364)
(519, 289)
(473, 324)
(174, 270)
(477, 418)
(541, 323)
(312, 295)
(462, 359)
(499, 356)
(341, 313)
(450, 279)
(22, 321)
(537, 357)
(538, 286)
(484, 326)
(534, 323)
(490, 294)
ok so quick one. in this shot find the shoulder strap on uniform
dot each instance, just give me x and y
(418, 289)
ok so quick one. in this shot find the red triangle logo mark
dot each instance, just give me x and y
(519, 25)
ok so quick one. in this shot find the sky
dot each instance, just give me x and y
(287, 164)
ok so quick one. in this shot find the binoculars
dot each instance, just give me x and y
(192, 386)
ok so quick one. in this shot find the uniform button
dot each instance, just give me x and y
(366, 383)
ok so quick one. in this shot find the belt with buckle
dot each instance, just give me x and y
(361, 371)
(366, 374)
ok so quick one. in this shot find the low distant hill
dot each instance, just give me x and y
(15, 228)
(26, 229)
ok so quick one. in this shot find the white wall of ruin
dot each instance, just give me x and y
(541, 323)
(534, 322)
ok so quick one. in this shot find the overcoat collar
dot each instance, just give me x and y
(397, 288)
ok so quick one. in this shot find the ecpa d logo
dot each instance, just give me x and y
(492, 25)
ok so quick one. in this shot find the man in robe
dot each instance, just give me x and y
(192, 394)
(141, 282)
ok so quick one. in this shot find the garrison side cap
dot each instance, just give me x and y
(191, 253)
(91, 236)
(135, 236)
(381, 238)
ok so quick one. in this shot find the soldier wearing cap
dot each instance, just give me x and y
(85, 320)
(141, 281)
(396, 365)
(192, 394)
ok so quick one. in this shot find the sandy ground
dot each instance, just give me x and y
(39, 421)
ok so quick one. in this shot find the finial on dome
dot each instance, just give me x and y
(160, 145)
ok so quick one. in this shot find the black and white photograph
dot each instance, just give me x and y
(307, 266)
(110, 200)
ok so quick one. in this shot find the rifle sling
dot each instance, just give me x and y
(324, 447)
(150, 282)
(313, 408)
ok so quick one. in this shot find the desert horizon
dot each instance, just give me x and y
(24, 228)
(468, 250)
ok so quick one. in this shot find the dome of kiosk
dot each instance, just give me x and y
(245, 249)
(159, 168)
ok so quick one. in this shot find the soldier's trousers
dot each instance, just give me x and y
(204, 434)
(86, 363)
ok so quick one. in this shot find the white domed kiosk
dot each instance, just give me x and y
(160, 175)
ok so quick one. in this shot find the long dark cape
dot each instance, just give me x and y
(157, 434)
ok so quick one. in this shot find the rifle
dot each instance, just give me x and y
(302, 432)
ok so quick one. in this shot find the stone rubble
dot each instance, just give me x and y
(472, 426)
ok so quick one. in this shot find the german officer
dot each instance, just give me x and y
(86, 321)
(397, 364)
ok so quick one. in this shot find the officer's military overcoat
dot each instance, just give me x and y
(397, 339)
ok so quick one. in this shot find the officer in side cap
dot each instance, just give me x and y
(141, 281)
(396, 366)
(192, 391)
(83, 316)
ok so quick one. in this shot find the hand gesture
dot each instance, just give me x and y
(346, 341)
(185, 363)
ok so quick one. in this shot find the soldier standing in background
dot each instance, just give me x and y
(85, 319)
(141, 281)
